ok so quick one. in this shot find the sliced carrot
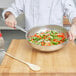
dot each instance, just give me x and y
(49, 38)
(42, 33)
(49, 44)
(32, 39)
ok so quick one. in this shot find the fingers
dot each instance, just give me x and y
(72, 32)
(15, 23)
(71, 36)
(10, 23)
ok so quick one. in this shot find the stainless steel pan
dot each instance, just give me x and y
(42, 29)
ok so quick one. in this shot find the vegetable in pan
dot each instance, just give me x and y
(48, 38)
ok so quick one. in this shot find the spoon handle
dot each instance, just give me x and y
(14, 57)
(20, 28)
(17, 59)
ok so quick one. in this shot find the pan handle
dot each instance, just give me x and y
(20, 28)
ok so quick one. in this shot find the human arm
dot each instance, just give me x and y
(10, 14)
(72, 31)
(70, 12)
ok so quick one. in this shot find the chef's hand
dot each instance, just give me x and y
(10, 20)
(72, 32)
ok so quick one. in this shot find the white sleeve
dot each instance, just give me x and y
(16, 8)
(70, 9)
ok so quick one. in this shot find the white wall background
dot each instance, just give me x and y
(5, 3)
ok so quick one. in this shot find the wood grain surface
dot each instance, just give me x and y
(62, 61)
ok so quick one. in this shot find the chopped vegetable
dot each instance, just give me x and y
(48, 38)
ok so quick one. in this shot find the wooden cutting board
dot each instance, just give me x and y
(61, 61)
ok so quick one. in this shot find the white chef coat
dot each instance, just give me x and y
(43, 12)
